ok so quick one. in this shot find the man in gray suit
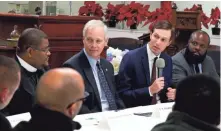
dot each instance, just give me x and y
(194, 59)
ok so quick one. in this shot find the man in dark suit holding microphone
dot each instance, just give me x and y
(138, 83)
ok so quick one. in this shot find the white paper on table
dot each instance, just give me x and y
(162, 110)
(93, 121)
(15, 119)
(132, 123)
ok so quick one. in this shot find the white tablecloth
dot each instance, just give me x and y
(123, 120)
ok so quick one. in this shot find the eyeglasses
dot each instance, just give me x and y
(86, 94)
(202, 46)
(46, 50)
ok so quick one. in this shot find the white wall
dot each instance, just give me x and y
(4, 7)
(64, 8)
(33, 5)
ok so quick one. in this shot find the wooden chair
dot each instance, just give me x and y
(214, 52)
(123, 43)
(185, 22)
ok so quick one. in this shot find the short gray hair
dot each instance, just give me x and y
(94, 24)
(30, 37)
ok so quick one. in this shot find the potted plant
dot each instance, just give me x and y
(163, 13)
(133, 13)
(204, 19)
(90, 8)
(111, 14)
(215, 20)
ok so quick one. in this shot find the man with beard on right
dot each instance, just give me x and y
(194, 59)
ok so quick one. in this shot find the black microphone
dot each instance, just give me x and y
(160, 64)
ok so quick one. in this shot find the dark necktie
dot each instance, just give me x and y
(34, 79)
(197, 69)
(153, 78)
(106, 88)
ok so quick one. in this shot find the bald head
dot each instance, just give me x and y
(58, 88)
(200, 36)
(9, 79)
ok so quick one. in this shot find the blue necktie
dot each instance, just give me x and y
(197, 70)
(106, 88)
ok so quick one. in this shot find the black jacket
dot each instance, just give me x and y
(178, 121)
(92, 104)
(24, 97)
(4, 123)
(43, 119)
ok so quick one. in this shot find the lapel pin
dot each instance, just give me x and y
(106, 70)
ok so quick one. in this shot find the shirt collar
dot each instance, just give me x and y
(91, 60)
(151, 55)
(25, 65)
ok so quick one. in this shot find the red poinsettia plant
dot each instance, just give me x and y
(163, 13)
(112, 11)
(91, 8)
(204, 19)
(133, 13)
(215, 17)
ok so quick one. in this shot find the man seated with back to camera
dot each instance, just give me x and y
(197, 106)
(10, 76)
(32, 56)
(138, 81)
(59, 97)
(194, 59)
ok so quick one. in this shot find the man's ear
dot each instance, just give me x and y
(30, 51)
(83, 40)
(106, 41)
(72, 109)
(150, 35)
(3, 94)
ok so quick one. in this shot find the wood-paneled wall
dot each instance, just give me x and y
(64, 33)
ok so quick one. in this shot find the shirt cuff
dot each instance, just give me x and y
(150, 92)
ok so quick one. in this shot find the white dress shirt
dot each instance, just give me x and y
(151, 57)
(104, 102)
(200, 68)
(25, 65)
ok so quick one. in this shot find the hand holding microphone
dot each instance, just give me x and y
(158, 84)
(171, 94)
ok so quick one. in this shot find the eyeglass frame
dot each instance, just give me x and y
(86, 94)
(46, 50)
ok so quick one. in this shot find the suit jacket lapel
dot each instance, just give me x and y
(205, 66)
(90, 76)
(145, 63)
(25, 83)
(188, 67)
